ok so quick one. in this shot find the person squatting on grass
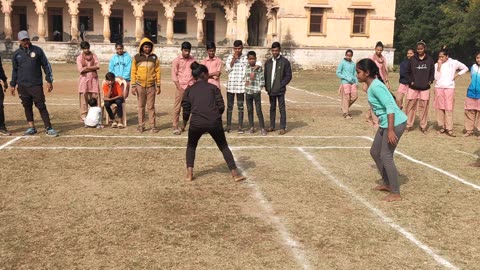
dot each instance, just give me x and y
(204, 102)
(121, 65)
(392, 123)
(254, 83)
(348, 83)
(27, 64)
(421, 73)
(113, 94)
(214, 65)
(145, 82)
(88, 86)
(403, 81)
(278, 74)
(94, 115)
(182, 78)
(472, 101)
(445, 74)
(3, 88)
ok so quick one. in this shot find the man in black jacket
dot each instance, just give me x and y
(27, 64)
(278, 73)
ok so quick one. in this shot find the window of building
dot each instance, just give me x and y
(180, 23)
(316, 20)
(85, 18)
(359, 21)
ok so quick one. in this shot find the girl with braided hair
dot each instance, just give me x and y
(392, 123)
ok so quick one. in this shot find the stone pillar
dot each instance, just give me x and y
(7, 10)
(243, 12)
(106, 12)
(73, 11)
(138, 13)
(270, 26)
(40, 10)
(200, 14)
(230, 17)
(169, 6)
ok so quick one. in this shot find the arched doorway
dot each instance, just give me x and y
(257, 24)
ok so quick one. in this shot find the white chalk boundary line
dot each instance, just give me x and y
(10, 142)
(322, 96)
(439, 259)
(449, 174)
(468, 154)
(294, 246)
(229, 137)
(171, 147)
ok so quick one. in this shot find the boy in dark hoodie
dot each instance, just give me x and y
(145, 82)
(421, 73)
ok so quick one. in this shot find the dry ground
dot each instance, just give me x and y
(116, 199)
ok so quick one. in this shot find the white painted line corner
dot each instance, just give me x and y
(439, 259)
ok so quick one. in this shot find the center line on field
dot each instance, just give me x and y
(12, 141)
(319, 95)
(293, 245)
(229, 137)
(439, 259)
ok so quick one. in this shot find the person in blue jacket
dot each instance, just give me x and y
(121, 65)
(392, 124)
(472, 101)
(348, 85)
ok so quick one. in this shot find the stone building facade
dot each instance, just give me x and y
(322, 26)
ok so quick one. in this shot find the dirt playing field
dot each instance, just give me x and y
(116, 199)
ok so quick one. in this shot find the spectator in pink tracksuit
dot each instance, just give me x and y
(445, 74)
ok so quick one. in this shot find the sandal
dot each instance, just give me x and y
(177, 132)
(451, 134)
(441, 131)
(468, 134)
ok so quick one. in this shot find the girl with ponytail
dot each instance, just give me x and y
(445, 74)
(420, 72)
(203, 105)
(392, 123)
(348, 85)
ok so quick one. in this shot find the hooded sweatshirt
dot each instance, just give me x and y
(421, 72)
(145, 68)
(403, 72)
(121, 65)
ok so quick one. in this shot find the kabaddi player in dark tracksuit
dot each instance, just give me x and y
(204, 102)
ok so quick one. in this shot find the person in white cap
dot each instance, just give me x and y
(27, 64)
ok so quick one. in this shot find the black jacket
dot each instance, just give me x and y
(27, 67)
(421, 73)
(404, 79)
(283, 75)
(204, 102)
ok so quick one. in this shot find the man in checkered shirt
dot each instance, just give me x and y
(235, 67)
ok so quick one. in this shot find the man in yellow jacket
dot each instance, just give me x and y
(145, 82)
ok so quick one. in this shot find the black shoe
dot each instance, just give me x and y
(5, 132)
